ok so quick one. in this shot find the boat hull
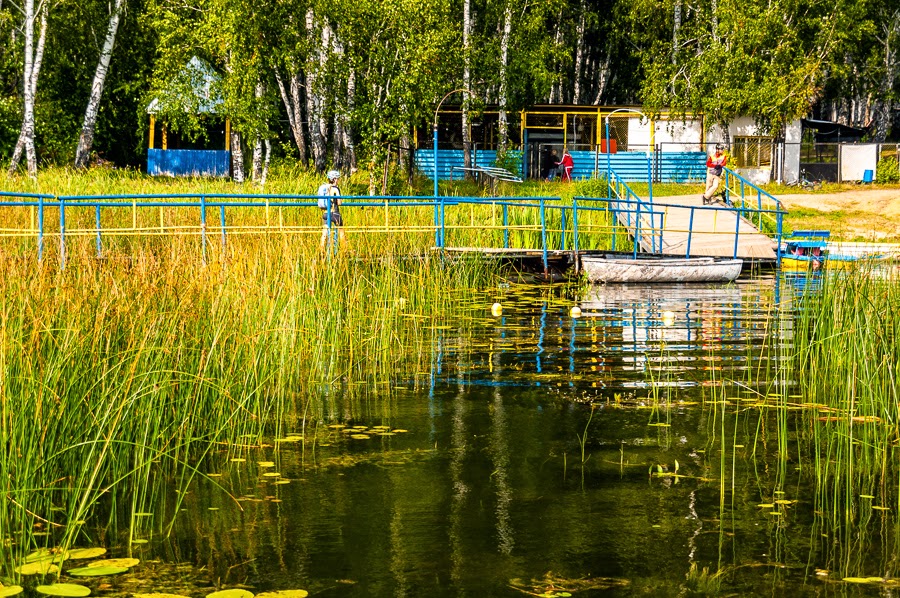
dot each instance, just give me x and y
(699, 269)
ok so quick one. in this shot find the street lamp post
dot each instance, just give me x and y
(437, 235)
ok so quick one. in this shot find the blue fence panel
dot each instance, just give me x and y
(451, 160)
(188, 162)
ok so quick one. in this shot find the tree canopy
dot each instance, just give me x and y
(333, 81)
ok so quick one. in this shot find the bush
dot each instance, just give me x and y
(888, 171)
(510, 160)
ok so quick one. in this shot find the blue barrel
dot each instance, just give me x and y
(868, 176)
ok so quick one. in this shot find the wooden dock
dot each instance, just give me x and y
(712, 232)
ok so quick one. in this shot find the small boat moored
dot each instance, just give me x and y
(616, 268)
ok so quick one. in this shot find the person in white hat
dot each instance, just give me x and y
(715, 163)
(330, 203)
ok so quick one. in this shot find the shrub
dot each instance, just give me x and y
(888, 171)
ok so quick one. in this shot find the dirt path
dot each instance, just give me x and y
(854, 215)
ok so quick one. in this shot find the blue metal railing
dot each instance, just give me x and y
(752, 201)
(542, 218)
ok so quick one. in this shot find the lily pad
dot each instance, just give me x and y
(360, 436)
(86, 553)
(126, 562)
(159, 595)
(284, 594)
(765, 505)
(46, 554)
(857, 579)
(232, 593)
(94, 571)
(64, 589)
(37, 568)
(10, 591)
(266, 464)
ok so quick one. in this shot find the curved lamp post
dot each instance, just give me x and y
(435, 132)
(439, 241)
(649, 152)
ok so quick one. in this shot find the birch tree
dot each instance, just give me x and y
(86, 140)
(33, 59)
(467, 26)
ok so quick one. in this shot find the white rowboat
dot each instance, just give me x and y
(610, 268)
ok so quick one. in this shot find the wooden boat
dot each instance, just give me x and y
(615, 268)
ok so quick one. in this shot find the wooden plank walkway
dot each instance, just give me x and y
(713, 231)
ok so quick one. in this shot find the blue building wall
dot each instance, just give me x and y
(678, 167)
(188, 162)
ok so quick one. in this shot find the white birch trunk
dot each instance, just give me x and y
(579, 53)
(315, 102)
(237, 157)
(467, 80)
(676, 29)
(556, 88)
(258, 145)
(86, 140)
(32, 68)
(293, 104)
(265, 169)
(504, 76)
(349, 146)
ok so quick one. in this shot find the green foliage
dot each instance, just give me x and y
(510, 160)
(888, 171)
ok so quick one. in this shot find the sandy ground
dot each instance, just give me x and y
(859, 214)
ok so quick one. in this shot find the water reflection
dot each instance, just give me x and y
(508, 481)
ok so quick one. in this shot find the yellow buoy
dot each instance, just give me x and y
(497, 309)
(575, 312)
(668, 318)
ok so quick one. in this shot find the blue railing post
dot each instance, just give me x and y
(575, 233)
(737, 231)
(40, 239)
(637, 230)
(222, 217)
(62, 234)
(505, 226)
(328, 240)
(203, 226)
(544, 235)
(778, 218)
(99, 241)
(690, 232)
(443, 242)
(562, 228)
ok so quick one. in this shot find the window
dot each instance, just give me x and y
(752, 152)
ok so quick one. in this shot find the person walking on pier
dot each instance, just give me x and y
(330, 203)
(715, 163)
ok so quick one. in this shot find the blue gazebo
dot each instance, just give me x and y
(171, 155)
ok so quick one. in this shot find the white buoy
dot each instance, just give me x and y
(575, 312)
(668, 318)
(497, 309)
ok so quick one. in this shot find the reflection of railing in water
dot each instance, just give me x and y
(545, 224)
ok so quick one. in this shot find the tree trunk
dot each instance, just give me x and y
(86, 140)
(676, 29)
(258, 145)
(237, 157)
(556, 92)
(883, 107)
(32, 68)
(467, 81)
(293, 103)
(265, 169)
(579, 53)
(349, 146)
(315, 100)
(504, 76)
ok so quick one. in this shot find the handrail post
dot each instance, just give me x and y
(575, 235)
(690, 232)
(40, 231)
(203, 226)
(99, 242)
(62, 233)
(505, 226)
(222, 218)
(328, 240)
(637, 229)
(443, 242)
(544, 235)
(737, 232)
(562, 228)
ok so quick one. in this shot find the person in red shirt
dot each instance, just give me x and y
(715, 163)
(567, 164)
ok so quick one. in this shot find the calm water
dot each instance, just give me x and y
(531, 462)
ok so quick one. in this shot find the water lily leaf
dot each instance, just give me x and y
(94, 571)
(37, 568)
(399, 431)
(866, 496)
(875, 579)
(238, 460)
(232, 593)
(64, 589)
(266, 464)
(271, 474)
(766, 505)
(46, 554)
(284, 594)
(86, 553)
(10, 591)
(857, 579)
(880, 508)
(159, 595)
(139, 541)
(126, 562)
(360, 436)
